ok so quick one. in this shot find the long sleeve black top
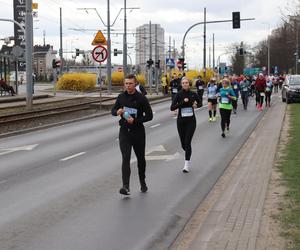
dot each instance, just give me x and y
(136, 105)
(185, 109)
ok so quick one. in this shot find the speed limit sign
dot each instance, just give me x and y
(99, 53)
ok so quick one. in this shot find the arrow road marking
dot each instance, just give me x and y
(72, 156)
(20, 148)
(159, 148)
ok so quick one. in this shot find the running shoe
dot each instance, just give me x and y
(124, 190)
(210, 119)
(214, 119)
(186, 167)
(144, 187)
(223, 135)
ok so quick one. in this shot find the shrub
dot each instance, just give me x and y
(77, 81)
(117, 78)
(141, 79)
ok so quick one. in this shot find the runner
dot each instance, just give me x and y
(175, 86)
(212, 90)
(260, 86)
(134, 110)
(200, 89)
(226, 96)
(185, 101)
(245, 85)
(236, 88)
(269, 89)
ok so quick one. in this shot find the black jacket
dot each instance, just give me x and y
(137, 106)
(179, 103)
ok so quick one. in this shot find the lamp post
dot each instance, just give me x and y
(268, 47)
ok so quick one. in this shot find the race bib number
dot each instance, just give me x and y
(175, 91)
(210, 96)
(268, 89)
(224, 100)
(245, 89)
(131, 111)
(262, 94)
(187, 112)
(200, 87)
(235, 86)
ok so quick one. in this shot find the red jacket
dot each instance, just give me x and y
(260, 85)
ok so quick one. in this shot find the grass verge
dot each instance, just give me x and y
(290, 169)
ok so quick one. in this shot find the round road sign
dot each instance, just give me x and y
(99, 53)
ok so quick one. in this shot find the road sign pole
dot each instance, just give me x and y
(100, 85)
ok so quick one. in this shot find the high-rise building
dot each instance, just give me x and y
(143, 49)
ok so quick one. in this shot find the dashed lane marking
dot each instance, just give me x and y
(72, 156)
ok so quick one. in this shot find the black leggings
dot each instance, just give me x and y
(268, 97)
(186, 128)
(225, 118)
(245, 98)
(135, 138)
(235, 103)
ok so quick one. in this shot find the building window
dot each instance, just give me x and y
(41, 62)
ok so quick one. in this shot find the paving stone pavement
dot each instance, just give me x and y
(234, 220)
(230, 216)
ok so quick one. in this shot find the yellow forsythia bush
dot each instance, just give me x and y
(141, 79)
(77, 81)
(117, 78)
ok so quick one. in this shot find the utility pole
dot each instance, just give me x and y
(108, 49)
(29, 52)
(209, 56)
(156, 68)
(269, 55)
(44, 37)
(214, 51)
(297, 47)
(125, 68)
(174, 50)
(150, 67)
(204, 45)
(61, 43)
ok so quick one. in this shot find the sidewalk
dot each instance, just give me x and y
(230, 216)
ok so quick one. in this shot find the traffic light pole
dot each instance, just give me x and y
(196, 24)
(28, 52)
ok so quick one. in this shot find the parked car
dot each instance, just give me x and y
(291, 89)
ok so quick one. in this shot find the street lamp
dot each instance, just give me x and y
(268, 45)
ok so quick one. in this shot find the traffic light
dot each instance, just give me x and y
(236, 20)
(157, 64)
(77, 52)
(150, 62)
(241, 51)
(115, 52)
(55, 64)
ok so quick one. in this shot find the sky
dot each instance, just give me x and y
(80, 27)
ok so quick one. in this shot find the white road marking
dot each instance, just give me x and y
(72, 156)
(15, 149)
(156, 125)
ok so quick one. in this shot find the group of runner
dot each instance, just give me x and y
(134, 109)
(223, 93)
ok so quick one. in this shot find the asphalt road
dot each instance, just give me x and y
(59, 187)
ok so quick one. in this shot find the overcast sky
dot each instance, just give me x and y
(175, 16)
